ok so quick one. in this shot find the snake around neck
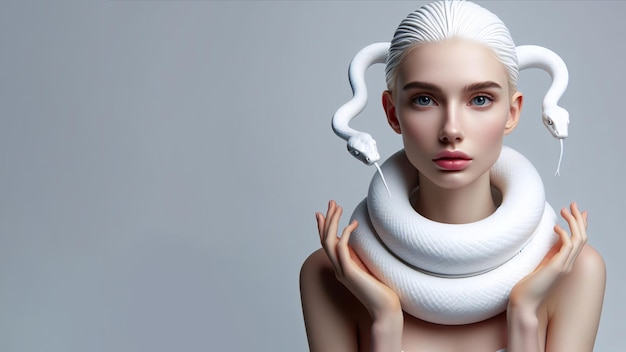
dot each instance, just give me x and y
(450, 273)
(454, 273)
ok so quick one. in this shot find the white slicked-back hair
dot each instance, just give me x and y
(442, 20)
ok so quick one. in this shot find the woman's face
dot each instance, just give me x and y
(452, 105)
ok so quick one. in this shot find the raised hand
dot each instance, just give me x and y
(378, 298)
(531, 291)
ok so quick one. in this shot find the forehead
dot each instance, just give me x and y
(452, 63)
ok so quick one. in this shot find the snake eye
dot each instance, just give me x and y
(550, 122)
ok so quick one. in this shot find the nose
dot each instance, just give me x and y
(451, 130)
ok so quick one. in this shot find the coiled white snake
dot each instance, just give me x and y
(454, 273)
(363, 147)
(445, 273)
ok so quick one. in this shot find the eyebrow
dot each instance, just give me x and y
(433, 87)
(421, 85)
(481, 85)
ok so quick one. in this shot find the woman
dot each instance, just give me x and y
(451, 78)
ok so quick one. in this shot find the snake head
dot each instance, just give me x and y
(363, 147)
(556, 120)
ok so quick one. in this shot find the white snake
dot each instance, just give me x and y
(363, 147)
(454, 273)
(445, 273)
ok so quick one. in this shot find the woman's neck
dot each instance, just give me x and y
(470, 203)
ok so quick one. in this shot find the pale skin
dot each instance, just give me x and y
(453, 96)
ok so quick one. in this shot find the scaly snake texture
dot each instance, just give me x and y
(443, 273)
(431, 266)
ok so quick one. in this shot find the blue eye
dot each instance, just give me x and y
(423, 100)
(481, 100)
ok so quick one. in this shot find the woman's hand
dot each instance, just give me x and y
(530, 292)
(379, 299)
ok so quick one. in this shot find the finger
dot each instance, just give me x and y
(582, 225)
(579, 234)
(586, 217)
(580, 219)
(347, 231)
(343, 248)
(577, 226)
(330, 240)
(345, 235)
(329, 213)
(576, 241)
(332, 217)
(320, 225)
(571, 222)
(560, 258)
(333, 221)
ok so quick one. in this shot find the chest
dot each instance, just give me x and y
(420, 336)
(488, 336)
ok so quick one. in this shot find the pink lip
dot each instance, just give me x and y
(452, 160)
(456, 154)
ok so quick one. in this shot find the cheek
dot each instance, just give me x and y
(492, 132)
(419, 126)
(419, 137)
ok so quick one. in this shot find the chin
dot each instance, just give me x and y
(452, 180)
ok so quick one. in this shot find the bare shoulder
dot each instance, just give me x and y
(316, 273)
(319, 284)
(313, 264)
(575, 304)
(590, 263)
(329, 308)
(588, 275)
(588, 271)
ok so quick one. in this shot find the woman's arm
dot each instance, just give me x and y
(573, 311)
(574, 320)
(568, 286)
(329, 311)
(328, 300)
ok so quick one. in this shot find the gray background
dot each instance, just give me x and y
(161, 162)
